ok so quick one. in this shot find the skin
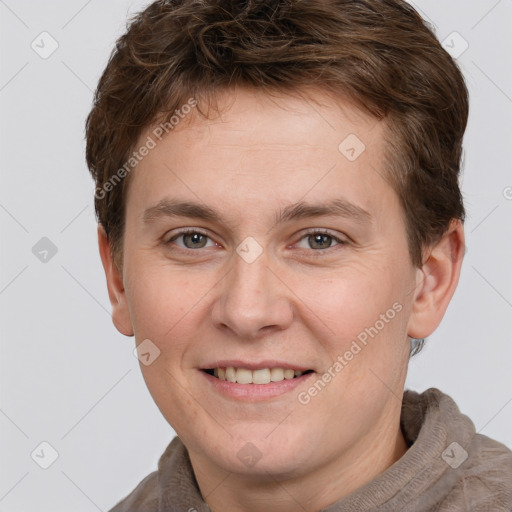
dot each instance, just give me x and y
(296, 302)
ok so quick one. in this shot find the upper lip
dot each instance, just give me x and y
(254, 365)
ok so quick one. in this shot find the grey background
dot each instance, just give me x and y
(70, 379)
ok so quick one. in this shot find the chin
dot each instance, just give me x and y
(266, 450)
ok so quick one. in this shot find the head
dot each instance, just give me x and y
(311, 150)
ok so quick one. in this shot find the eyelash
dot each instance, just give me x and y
(315, 231)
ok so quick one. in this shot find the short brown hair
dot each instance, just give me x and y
(379, 53)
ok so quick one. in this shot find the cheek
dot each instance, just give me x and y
(358, 314)
(165, 303)
(348, 300)
(359, 318)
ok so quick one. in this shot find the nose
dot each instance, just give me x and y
(252, 301)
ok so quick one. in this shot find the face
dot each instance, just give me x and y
(267, 239)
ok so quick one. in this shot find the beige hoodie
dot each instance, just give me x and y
(447, 468)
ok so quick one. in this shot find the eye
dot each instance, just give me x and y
(194, 239)
(319, 240)
(191, 239)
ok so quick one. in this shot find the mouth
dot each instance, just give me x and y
(257, 376)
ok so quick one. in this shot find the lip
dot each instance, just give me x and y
(258, 365)
(255, 392)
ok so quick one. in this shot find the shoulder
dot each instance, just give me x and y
(487, 481)
(468, 470)
(144, 498)
(167, 482)
(484, 479)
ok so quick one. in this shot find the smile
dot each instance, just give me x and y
(259, 376)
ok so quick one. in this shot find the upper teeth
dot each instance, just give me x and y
(263, 376)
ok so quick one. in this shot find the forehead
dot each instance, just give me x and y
(258, 148)
(278, 119)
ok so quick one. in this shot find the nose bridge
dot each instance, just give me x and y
(252, 298)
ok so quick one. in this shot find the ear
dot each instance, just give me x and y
(436, 281)
(116, 292)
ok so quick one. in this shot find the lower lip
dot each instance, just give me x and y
(256, 392)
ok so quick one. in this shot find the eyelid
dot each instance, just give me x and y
(322, 231)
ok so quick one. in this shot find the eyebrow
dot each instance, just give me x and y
(300, 210)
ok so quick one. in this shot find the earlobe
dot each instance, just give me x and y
(436, 282)
(116, 291)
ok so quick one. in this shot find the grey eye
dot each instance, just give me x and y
(194, 240)
(320, 241)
